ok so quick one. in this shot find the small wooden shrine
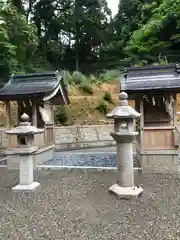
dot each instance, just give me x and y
(154, 90)
(35, 95)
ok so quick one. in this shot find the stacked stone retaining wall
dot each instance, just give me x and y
(86, 136)
(74, 137)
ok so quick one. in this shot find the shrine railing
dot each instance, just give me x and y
(49, 134)
(158, 138)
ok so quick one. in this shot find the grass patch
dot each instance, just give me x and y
(61, 116)
(103, 107)
(107, 97)
(78, 78)
(109, 75)
(86, 87)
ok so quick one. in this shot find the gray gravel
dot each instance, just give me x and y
(75, 205)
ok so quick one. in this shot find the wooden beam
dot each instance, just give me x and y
(175, 110)
(8, 114)
(141, 103)
(20, 110)
(34, 113)
(49, 108)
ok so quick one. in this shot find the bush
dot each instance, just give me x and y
(86, 87)
(109, 75)
(103, 107)
(61, 115)
(92, 78)
(78, 78)
(68, 79)
(107, 97)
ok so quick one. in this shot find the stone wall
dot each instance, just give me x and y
(74, 137)
(162, 162)
(92, 136)
(83, 136)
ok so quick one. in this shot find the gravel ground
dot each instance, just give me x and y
(77, 205)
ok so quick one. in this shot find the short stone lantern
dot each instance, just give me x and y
(24, 151)
(124, 136)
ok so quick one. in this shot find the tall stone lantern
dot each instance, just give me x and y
(24, 151)
(124, 136)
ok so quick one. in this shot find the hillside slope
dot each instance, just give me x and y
(83, 107)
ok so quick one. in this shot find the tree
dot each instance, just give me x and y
(81, 34)
(17, 39)
(75, 27)
(159, 36)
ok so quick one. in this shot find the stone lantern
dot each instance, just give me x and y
(24, 152)
(124, 136)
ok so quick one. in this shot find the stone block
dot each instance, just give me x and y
(176, 160)
(144, 159)
(159, 160)
(26, 188)
(158, 163)
(126, 192)
(65, 138)
(104, 136)
(65, 135)
(87, 135)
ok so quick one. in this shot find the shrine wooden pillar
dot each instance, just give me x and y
(141, 110)
(175, 110)
(20, 112)
(34, 113)
(49, 109)
(8, 114)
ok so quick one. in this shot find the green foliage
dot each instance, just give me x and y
(78, 78)
(86, 87)
(156, 36)
(109, 75)
(18, 39)
(92, 78)
(107, 97)
(103, 107)
(61, 116)
(82, 24)
(83, 36)
(68, 79)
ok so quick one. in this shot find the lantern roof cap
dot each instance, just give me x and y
(123, 111)
(24, 127)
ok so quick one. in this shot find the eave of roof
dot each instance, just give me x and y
(140, 79)
(33, 85)
(151, 67)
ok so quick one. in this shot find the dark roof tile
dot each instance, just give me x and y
(31, 84)
(151, 78)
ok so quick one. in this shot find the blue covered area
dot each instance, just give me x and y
(83, 159)
(80, 159)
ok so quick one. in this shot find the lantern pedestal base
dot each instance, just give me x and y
(26, 188)
(126, 192)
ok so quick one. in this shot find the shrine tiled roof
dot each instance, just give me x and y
(140, 79)
(34, 84)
